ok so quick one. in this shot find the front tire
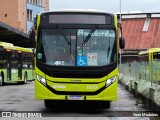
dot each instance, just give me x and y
(48, 103)
(25, 78)
(1, 80)
(106, 104)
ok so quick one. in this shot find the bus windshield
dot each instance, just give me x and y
(71, 47)
(156, 56)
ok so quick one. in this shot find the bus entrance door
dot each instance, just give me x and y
(9, 65)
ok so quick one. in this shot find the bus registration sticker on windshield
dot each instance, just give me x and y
(73, 97)
(92, 59)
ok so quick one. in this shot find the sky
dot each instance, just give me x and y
(127, 6)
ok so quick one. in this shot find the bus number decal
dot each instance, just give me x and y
(59, 63)
(89, 87)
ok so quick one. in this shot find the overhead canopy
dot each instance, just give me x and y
(14, 36)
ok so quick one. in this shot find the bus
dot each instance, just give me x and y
(16, 64)
(151, 54)
(76, 56)
(151, 60)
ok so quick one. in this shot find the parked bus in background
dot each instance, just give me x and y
(16, 64)
(151, 60)
(151, 54)
(76, 56)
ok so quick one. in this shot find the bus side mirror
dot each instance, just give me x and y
(122, 42)
(32, 39)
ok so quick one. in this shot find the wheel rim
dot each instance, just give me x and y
(25, 79)
(0, 80)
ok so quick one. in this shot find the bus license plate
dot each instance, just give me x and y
(75, 97)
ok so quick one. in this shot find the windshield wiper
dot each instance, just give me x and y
(63, 35)
(90, 34)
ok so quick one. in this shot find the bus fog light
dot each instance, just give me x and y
(41, 79)
(110, 81)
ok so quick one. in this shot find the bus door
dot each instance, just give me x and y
(20, 65)
(14, 66)
(9, 53)
(3, 62)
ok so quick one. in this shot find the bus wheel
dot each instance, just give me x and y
(48, 103)
(106, 104)
(1, 80)
(25, 78)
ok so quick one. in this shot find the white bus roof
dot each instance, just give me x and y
(78, 10)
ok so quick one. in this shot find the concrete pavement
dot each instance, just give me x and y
(148, 93)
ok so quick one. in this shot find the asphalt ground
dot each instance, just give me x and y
(19, 99)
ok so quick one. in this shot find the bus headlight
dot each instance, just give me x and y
(110, 81)
(41, 79)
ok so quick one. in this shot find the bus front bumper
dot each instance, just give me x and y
(107, 94)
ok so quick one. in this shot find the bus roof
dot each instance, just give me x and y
(149, 51)
(23, 49)
(6, 44)
(78, 11)
(10, 46)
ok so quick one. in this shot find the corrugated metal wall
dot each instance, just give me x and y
(136, 38)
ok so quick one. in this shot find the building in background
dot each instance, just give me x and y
(20, 13)
(33, 8)
(141, 32)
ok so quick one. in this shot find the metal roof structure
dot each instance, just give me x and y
(141, 30)
(11, 35)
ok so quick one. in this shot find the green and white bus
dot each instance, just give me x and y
(76, 56)
(16, 64)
